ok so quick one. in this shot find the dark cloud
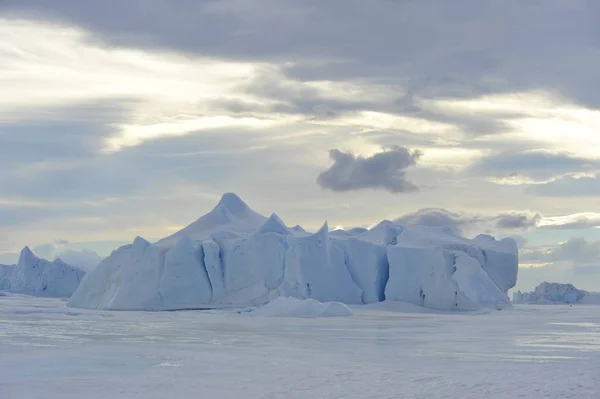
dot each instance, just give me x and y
(462, 49)
(517, 221)
(386, 170)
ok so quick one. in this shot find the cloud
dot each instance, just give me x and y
(575, 261)
(85, 259)
(538, 165)
(569, 186)
(434, 217)
(468, 222)
(386, 170)
(441, 56)
(578, 250)
(520, 240)
(522, 221)
(578, 221)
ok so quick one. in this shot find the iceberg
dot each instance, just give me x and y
(556, 293)
(39, 277)
(235, 257)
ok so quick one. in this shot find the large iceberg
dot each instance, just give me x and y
(556, 293)
(39, 277)
(233, 257)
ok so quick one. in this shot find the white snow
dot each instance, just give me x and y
(39, 277)
(556, 293)
(48, 351)
(234, 257)
(292, 307)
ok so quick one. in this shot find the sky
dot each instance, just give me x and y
(127, 118)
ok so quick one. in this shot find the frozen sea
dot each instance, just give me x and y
(385, 351)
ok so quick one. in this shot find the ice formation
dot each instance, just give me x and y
(292, 307)
(556, 293)
(35, 276)
(234, 257)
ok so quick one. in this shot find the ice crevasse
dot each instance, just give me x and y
(233, 256)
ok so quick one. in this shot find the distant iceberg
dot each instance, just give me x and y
(556, 293)
(235, 257)
(39, 277)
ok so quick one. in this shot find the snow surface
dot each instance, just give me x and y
(39, 277)
(387, 350)
(233, 257)
(556, 293)
(292, 307)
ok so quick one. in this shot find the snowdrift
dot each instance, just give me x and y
(292, 307)
(235, 257)
(39, 277)
(556, 293)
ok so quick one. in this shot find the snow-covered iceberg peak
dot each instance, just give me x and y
(235, 205)
(230, 214)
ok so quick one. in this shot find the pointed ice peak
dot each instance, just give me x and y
(274, 224)
(234, 204)
(320, 238)
(323, 231)
(140, 241)
(139, 246)
(27, 257)
(298, 228)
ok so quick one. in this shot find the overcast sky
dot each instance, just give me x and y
(124, 118)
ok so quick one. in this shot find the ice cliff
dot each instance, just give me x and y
(39, 277)
(556, 293)
(233, 256)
